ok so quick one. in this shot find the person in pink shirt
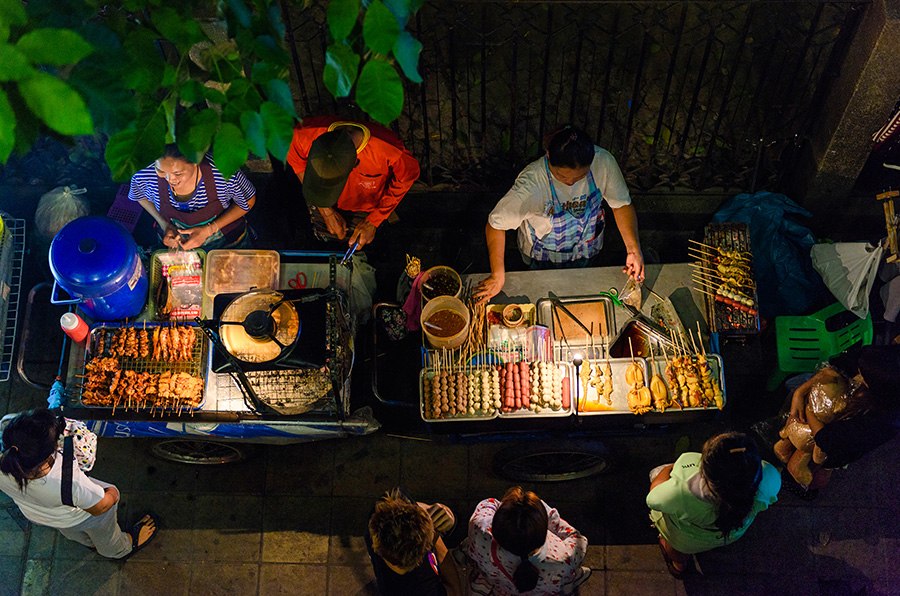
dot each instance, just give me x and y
(520, 545)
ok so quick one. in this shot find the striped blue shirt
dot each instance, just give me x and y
(236, 189)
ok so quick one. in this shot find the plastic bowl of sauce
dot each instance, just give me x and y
(445, 321)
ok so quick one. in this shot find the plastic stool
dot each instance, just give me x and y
(125, 211)
(804, 342)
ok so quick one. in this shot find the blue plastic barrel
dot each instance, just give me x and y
(96, 261)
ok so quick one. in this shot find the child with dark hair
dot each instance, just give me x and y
(405, 545)
(520, 545)
(31, 474)
(709, 499)
(557, 205)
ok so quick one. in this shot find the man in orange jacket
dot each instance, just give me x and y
(350, 172)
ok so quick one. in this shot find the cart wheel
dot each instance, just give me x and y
(206, 453)
(552, 464)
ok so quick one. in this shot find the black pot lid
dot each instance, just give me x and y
(259, 327)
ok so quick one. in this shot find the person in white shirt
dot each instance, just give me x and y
(31, 466)
(557, 205)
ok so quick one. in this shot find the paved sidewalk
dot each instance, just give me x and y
(290, 521)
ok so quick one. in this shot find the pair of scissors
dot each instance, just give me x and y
(298, 282)
(349, 254)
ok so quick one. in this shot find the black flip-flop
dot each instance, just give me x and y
(670, 564)
(136, 533)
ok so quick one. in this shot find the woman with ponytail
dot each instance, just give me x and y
(709, 499)
(31, 474)
(520, 545)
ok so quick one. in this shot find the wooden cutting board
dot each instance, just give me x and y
(586, 312)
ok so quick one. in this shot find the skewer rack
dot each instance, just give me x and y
(724, 318)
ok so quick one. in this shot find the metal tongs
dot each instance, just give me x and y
(349, 254)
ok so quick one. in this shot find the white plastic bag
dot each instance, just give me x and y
(57, 208)
(848, 269)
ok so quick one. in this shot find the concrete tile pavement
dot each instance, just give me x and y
(291, 520)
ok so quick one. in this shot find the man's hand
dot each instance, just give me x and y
(634, 265)
(489, 287)
(334, 221)
(364, 234)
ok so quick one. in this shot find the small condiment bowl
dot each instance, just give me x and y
(513, 315)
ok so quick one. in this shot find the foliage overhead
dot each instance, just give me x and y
(144, 74)
(369, 42)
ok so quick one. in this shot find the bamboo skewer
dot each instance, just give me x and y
(700, 338)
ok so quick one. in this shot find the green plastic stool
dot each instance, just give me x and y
(804, 342)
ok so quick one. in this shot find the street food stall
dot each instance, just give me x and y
(562, 349)
(233, 345)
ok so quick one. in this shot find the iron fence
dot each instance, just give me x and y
(689, 96)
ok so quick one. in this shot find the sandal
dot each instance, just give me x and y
(671, 565)
(147, 520)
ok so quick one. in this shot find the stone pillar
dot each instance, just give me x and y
(859, 103)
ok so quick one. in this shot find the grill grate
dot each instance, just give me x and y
(106, 332)
(723, 317)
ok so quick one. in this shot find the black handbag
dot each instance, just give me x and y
(68, 462)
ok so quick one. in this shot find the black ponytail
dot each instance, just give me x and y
(732, 468)
(520, 527)
(28, 440)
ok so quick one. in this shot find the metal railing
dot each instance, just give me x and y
(689, 96)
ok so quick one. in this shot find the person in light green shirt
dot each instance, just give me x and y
(705, 500)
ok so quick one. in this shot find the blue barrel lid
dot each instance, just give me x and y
(90, 255)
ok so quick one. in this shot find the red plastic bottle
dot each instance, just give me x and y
(75, 327)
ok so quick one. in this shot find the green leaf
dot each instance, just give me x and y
(54, 46)
(379, 91)
(342, 17)
(279, 92)
(57, 104)
(240, 12)
(194, 133)
(380, 28)
(279, 127)
(341, 67)
(254, 132)
(190, 92)
(400, 9)
(131, 149)
(181, 31)
(13, 65)
(229, 149)
(264, 71)
(12, 12)
(406, 51)
(214, 95)
(275, 21)
(7, 128)
(144, 69)
(168, 106)
(4, 31)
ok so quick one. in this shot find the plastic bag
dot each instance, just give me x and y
(57, 208)
(181, 275)
(786, 282)
(848, 269)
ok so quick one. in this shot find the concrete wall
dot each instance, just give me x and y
(860, 101)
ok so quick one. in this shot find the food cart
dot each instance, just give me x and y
(188, 381)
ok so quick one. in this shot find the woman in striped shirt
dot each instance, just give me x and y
(195, 205)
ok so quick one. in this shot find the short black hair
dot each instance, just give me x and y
(570, 147)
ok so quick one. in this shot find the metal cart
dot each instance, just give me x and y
(210, 433)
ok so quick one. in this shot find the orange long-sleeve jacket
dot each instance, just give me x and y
(384, 175)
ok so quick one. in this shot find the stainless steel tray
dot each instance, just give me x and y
(546, 412)
(580, 343)
(715, 365)
(426, 373)
(620, 387)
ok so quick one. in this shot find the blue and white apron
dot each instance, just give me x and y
(577, 229)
